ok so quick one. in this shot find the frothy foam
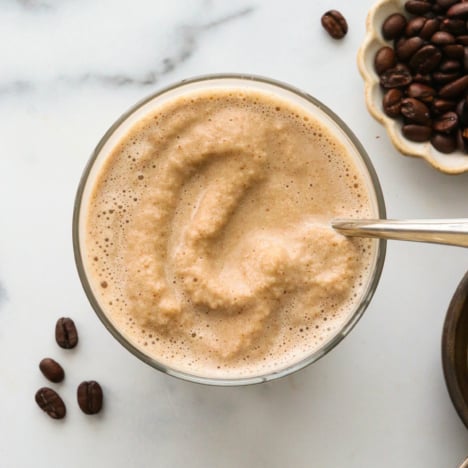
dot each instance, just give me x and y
(207, 235)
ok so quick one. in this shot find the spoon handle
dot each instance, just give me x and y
(438, 231)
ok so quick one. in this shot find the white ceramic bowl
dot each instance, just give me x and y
(454, 163)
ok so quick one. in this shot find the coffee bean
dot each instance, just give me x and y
(425, 79)
(449, 66)
(440, 106)
(421, 91)
(50, 402)
(454, 26)
(52, 370)
(89, 395)
(335, 24)
(415, 25)
(417, 133)
(395, 77)
(66, 334)
(430, 27)
(442, 78)
(392, 102)
(417, 7)
(444, 143)
(455, 88)
(431, 70)
(462, 143)
(407, 47)
(415, 111)
(459, 9)
(446, 3)
(462, 111)
(425, 59)
(454, 51)
(384, 59)
(442, 38)
(394, 26)
(446, 123)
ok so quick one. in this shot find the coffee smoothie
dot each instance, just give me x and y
(207, 238)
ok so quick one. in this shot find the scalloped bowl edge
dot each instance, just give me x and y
(455, 163)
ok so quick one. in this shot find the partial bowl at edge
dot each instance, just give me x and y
(454, 163)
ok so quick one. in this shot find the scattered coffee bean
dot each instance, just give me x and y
(65, 333)
(50, 402)
(394, 26)
(89, 395)
(52, 370)
(425, 79)
(335, 24)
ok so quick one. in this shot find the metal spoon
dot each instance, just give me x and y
(437, 231)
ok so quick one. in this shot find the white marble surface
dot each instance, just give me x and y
(67, 70)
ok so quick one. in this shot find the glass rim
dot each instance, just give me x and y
(309, 359)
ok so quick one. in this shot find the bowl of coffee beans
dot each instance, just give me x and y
(414, 61)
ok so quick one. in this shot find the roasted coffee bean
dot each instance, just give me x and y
(392, 102)
(444, 143)
(452, 25)
(50, 402)
(89, 395)
(421, 91)
(440, 106)
(425, 79)
(407, 47)
(418, 133)
(446, 123)
(455, 88)
(415, 25)
(442, 78)
(335, 24)
(462, 143)
(429, 82)
(453, 51)
(65, 333)
(417, 7)
(442, 38)
(384, 59)
(394, 26)
(446, 3)
(396, 77)
(462, 111)
(459, 9)
(430, 27)
(415, 111)
(52, 370)
(449, 66)
(425, 59)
